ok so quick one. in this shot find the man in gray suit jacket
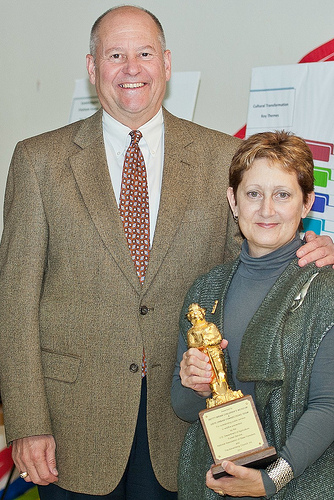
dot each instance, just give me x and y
(74, 317)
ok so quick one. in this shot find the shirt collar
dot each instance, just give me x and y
(119, 133)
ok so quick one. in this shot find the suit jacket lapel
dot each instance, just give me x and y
(178, 164)
(91, 172)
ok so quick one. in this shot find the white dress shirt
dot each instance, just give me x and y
(117, 139)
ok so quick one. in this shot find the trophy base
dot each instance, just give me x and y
(256, 460)
(234, 433)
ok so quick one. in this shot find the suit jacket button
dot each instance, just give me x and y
(134, 368)
(143, 310)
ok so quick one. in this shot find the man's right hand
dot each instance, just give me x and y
(36, 455)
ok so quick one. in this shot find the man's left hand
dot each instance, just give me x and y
(317, 248)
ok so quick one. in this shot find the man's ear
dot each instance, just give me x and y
(168, 64)
(90, 65)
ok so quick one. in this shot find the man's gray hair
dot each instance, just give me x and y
(94, 34)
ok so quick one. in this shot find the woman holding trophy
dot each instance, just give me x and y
(278, 320)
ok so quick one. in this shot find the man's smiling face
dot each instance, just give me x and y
(130, 69)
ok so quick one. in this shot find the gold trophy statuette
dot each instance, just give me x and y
(231, 424)
(207, 338)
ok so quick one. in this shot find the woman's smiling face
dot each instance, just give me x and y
(269, 204)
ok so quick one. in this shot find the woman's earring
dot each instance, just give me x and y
(236, 218)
